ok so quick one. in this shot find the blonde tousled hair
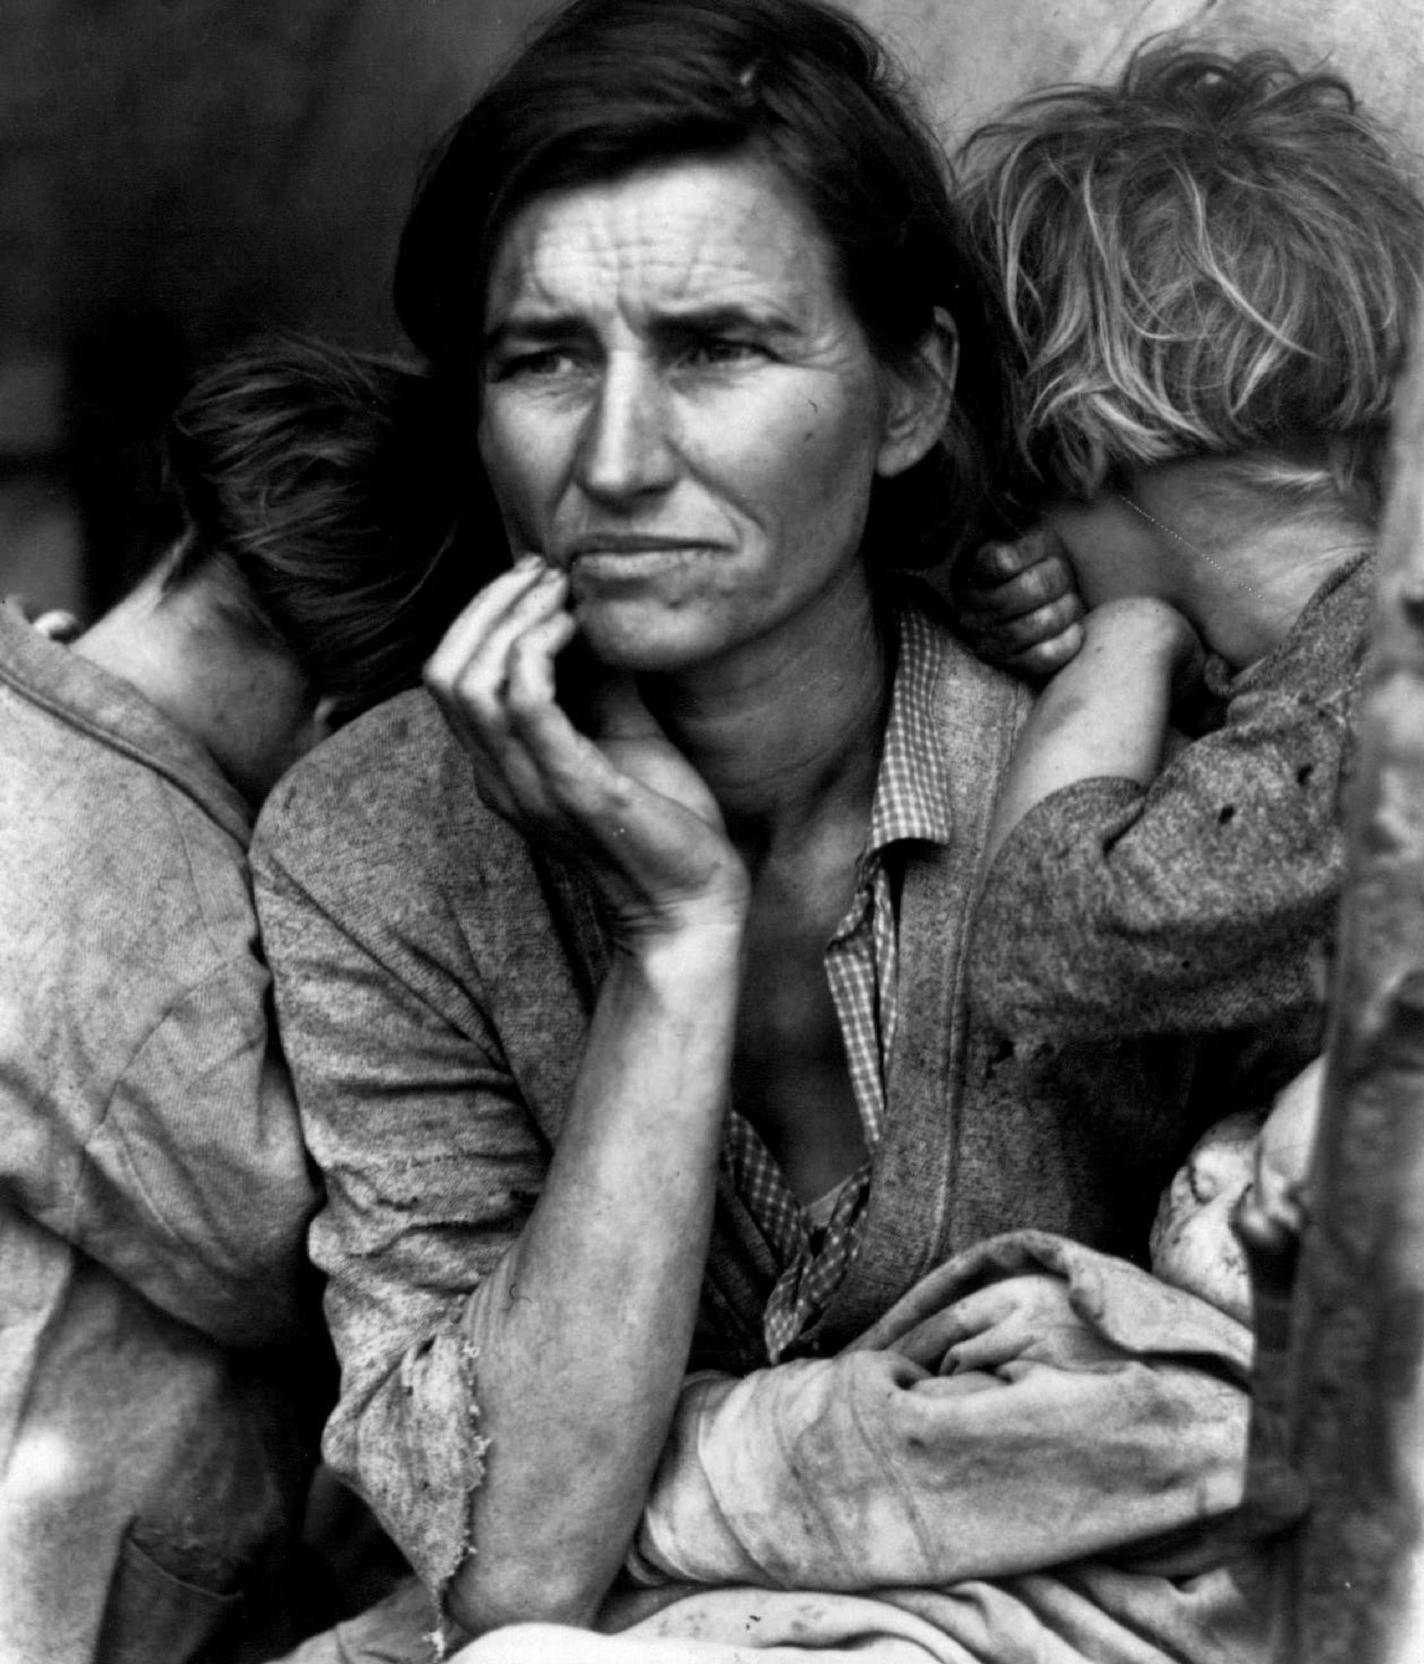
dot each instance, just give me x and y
(1212, 256)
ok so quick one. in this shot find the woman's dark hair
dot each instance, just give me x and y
(610, 86)
(320, 488)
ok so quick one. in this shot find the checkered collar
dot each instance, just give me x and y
(912, 787)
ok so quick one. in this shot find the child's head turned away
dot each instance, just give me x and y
(1267, 1155)
(1214, 256)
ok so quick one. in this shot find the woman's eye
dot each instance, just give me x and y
(536, 364)
(718, 350)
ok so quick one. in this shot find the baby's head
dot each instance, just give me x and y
(1214, 256)
(1193, 1244)
(1265, 1157)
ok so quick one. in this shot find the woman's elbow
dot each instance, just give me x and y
(492, 1592)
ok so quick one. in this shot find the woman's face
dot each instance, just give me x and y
(681, 410)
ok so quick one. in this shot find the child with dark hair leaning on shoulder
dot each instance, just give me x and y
(163, 1371)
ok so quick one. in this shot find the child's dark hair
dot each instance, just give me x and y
(1213, 255)
(321, 489)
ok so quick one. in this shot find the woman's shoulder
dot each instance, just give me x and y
(393, 786)
(377, 869)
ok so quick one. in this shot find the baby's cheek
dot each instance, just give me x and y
(1174, 1210)
(1203, 1255)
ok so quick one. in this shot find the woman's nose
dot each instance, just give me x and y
(626, 447)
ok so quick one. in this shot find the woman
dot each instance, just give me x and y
(624, 1006)
(162, 1372)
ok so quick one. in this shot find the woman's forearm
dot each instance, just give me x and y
(582, 1335)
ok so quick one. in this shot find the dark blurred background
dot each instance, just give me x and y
(177, 175)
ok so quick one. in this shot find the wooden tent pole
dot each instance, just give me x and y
(1354, 1587)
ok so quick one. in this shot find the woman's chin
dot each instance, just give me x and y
(643, 641)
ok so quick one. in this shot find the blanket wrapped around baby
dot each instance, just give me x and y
(1076, 1504)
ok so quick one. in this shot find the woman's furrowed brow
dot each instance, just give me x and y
(549, 328)
(545, 328)
(726, 317)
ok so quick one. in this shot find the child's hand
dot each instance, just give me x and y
(1272, 1213)
(1268, 1223)
(1018, 603)
(1025, 1319)
(1284, 1150)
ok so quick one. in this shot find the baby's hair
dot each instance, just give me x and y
(1214, 255)
(317, 489)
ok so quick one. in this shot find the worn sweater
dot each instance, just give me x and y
(435, 977)
(1199, 904)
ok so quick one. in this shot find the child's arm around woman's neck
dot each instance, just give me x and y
(1191, 554)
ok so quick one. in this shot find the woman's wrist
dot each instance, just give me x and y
(708, 911)
(695, 941)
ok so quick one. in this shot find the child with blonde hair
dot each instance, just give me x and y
(1211, 270)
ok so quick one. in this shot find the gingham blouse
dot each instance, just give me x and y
(911, 802)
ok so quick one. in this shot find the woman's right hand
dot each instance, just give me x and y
(624, 804)
(583, 1328)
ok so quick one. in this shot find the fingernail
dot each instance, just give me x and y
(527, 562)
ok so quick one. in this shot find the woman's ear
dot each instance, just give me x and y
(920, 395)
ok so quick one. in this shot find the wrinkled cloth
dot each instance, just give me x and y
(154, 1192)
(435, 977)
(1075, 1616)
(873, 1468)
(1191, 905)
(866, 1506)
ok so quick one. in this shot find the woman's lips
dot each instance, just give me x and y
(632, 545)
(640, 557)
